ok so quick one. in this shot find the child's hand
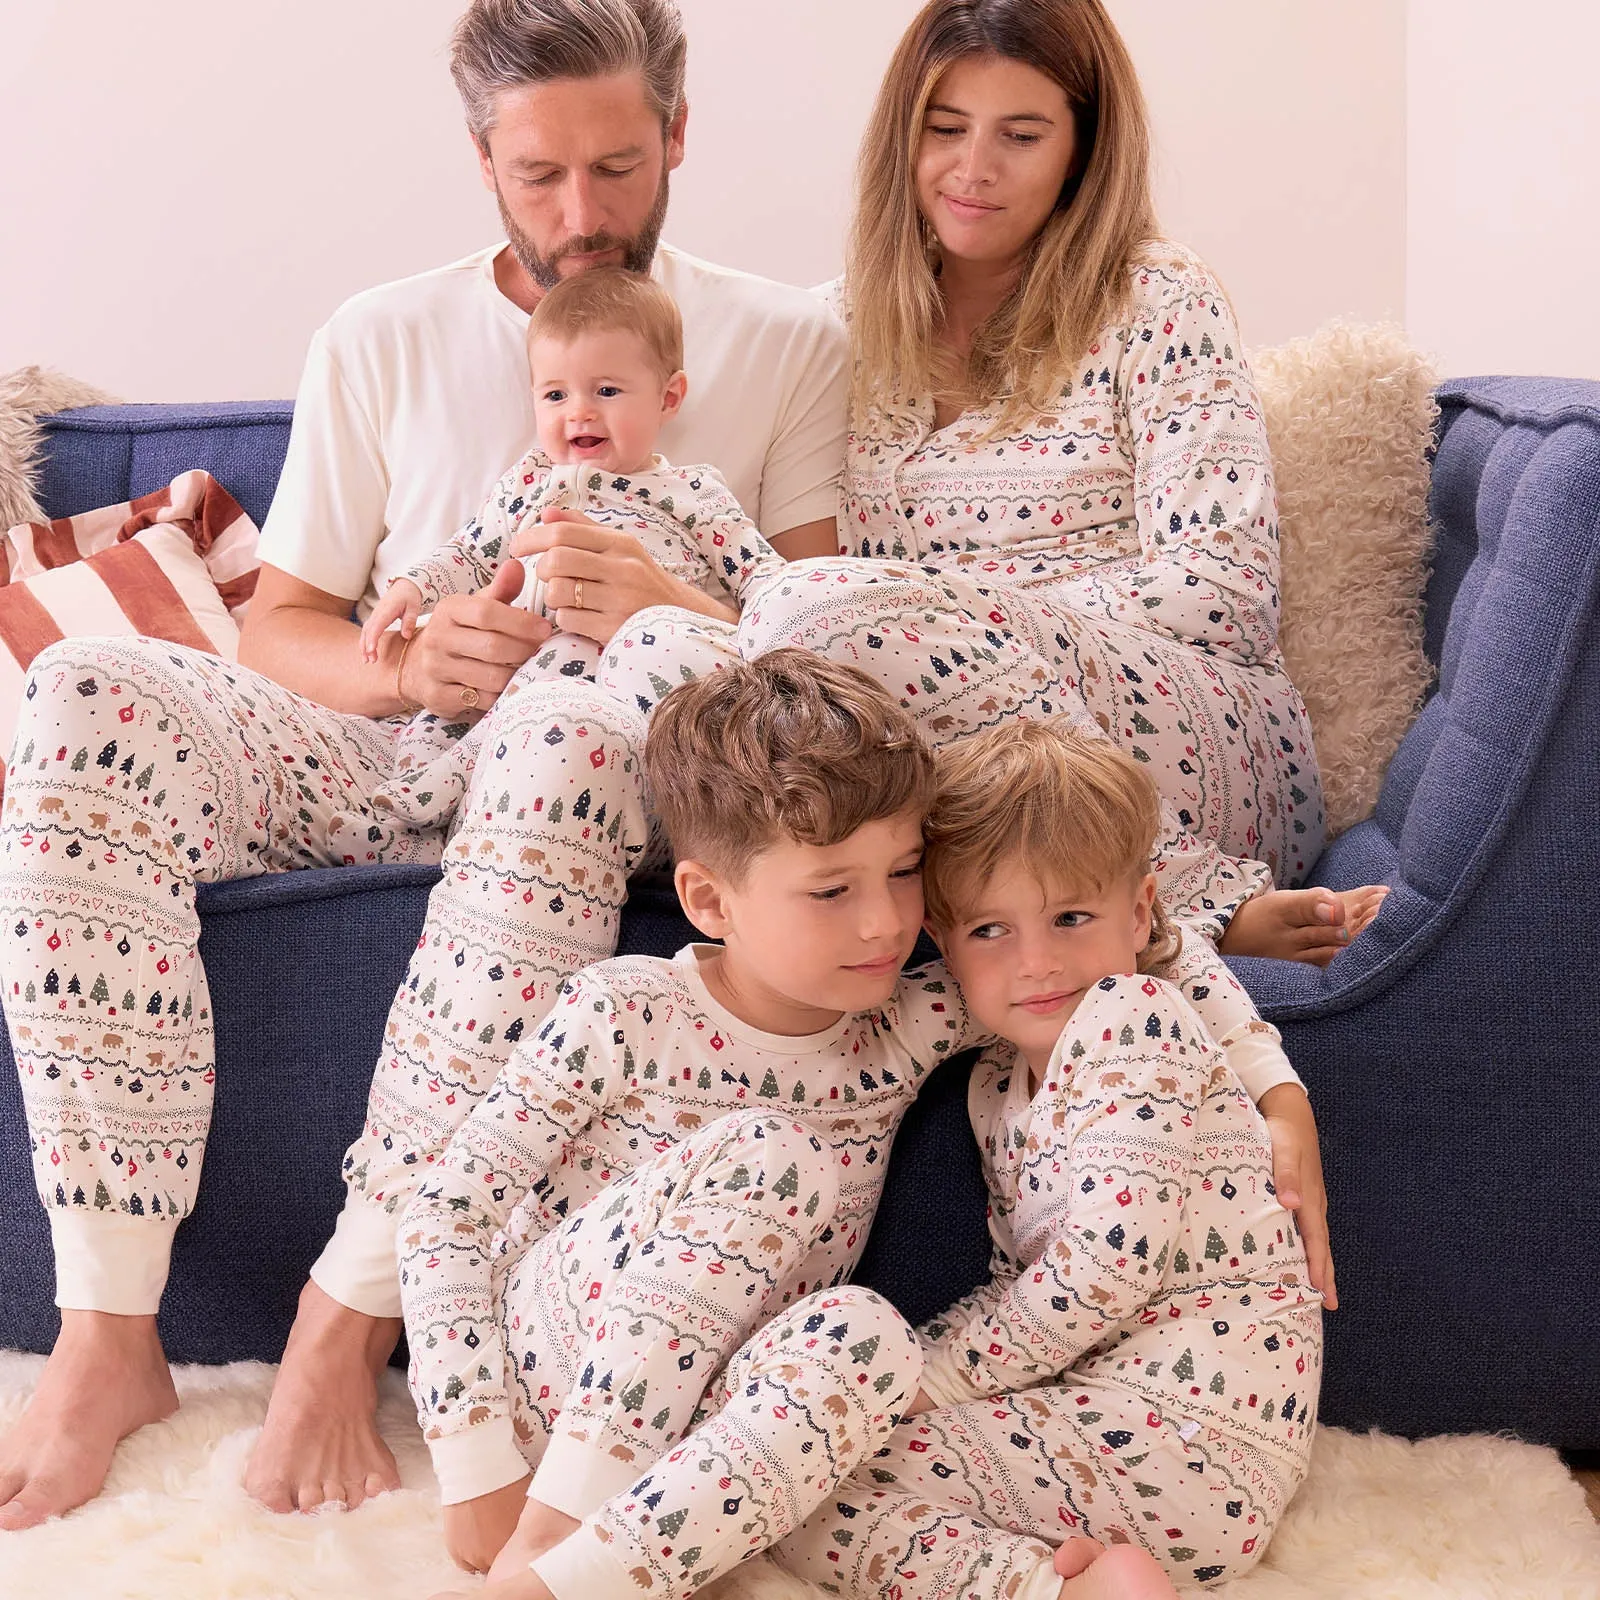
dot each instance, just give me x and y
(1297, 1176)
(476, 1531)
(402, 599)
(1311, 925)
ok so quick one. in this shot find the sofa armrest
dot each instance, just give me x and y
(1521, 458)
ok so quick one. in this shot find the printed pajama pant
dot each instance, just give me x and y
(141, 769)
(972, 1500)
(963, 657)
(620, 1326)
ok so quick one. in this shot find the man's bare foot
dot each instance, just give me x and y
(106, 1378)
(1124, 1572)
(320, 1443)
(1311, 925)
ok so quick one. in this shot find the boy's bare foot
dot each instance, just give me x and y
(1311, 925)
(1124, 1572)
(320, 1443)
(540, 1528)
(106, 1378)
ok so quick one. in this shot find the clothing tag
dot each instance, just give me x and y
(1188, 1430)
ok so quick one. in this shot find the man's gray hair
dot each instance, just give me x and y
(507, 44)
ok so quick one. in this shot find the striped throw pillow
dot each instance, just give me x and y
(154, 583)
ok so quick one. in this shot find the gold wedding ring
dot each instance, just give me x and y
(469, 695)
(577, 594)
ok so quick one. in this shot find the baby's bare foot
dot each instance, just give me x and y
(106, 1377)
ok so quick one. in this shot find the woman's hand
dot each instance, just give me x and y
(1297, 1176)
(596, 578)
(1311, 925)
(476, 1531)
(458, 664)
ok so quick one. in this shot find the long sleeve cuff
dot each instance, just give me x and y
(579, 1478)
(357, 1266)
(106, 1261)
(476, 1461)
(1258, 1060)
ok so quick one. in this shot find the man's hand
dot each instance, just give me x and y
(1297, 1176)
(1311, 925)
(475, 1531)
(596, 578)
(473, 642)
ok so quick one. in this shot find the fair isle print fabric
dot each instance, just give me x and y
(685, 518)
(1145, 1362)
(1140, 517)
(142, 769)
(635, 1059)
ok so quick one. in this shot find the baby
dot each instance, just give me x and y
(1143, 1366)
(605, 352)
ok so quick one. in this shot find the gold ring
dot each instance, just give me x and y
(469, 695)
(577, 594)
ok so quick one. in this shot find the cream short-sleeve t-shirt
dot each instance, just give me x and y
(415, 399)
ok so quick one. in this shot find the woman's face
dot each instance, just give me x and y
(998, 141)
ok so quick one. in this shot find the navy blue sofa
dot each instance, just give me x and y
(1451, 1052)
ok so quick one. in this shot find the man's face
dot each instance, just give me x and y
(579, 167)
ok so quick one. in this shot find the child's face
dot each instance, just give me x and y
(599, 397)
(814, 929)
(1024, 959)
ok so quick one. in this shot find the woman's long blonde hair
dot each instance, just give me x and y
(1077, 276)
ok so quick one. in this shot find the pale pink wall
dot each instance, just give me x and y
(189, 187)
(1504, 153)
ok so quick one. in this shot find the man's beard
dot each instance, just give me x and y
(637, 252)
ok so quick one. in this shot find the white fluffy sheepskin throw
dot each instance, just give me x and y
(26, 395)
(1378, 1519)
(1350, 416)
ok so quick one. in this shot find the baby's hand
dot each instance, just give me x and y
(402, 599)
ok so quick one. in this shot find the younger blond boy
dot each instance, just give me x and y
(1142, 1368)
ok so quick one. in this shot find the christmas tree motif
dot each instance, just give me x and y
(1216, 1249)
(669, 1525)
(1248, 1244)
(1269, 1411)
(1217, 517)
(769, 1085)
(1183, 1367)
(661, 1418)
(455, 1388)
(73, 986)
(128, 1000)
(798, 1094)
(153, 1006)
(557, 811)
(188, 1008)
(739, 1178)
(107, 756)
(1126, 1036)
(788, 1185)
(704, 1080)
(102, 1196)
(1217, 1385)
(633, 1396)
(30, 994)
(486, 1033)
(81, 760)
(427, 995)
(864, 1350)
(52, 982)
(143, 780)
(1180, 1262)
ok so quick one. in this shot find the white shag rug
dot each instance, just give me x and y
(1379, 1519)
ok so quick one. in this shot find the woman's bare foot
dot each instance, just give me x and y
(1311, 925)
(106, 1378)
(1124, 1572)
(320, 1443)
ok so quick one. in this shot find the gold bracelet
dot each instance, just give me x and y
(410, 707)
